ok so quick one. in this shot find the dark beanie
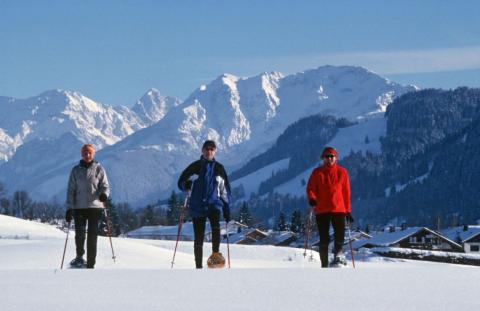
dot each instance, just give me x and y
(209, 144)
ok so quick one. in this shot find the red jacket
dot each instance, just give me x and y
(330, 187)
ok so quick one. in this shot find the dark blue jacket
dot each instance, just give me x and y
(210, 187)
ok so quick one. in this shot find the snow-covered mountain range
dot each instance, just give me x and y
(42, 133)
(146, 147)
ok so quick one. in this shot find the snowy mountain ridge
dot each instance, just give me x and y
(244, 115)
(57, 112)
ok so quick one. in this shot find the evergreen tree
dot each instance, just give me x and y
(174, 210)
(245, 217)
(113, 217)
(128, 219)
(22, 205)
(5, 206)
(296, 224)
(4, 201)
(367, 140)
(149, 217)
(282, 222)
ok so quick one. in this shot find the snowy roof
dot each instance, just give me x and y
(247, 234)
(275, 238)
(389, 238)
(457, 233)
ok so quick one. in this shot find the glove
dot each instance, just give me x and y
(312, 202)
(103, 197)
(349, 217)
(69, 215)
(226, 212)
(188, 185)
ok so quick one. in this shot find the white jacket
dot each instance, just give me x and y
(85, 186)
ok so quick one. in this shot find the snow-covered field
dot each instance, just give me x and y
(261, 278)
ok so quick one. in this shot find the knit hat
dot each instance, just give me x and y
(209, 144)
(88, 147)
(329, 150)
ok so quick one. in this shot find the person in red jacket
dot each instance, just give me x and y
(328, 192)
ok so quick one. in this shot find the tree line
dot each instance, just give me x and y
(268, 213)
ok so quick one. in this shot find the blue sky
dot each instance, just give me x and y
(114, 51)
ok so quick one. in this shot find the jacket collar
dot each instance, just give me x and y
(206, 161)
(328, 167)
(85, 164)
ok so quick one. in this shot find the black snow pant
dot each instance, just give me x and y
(199, 232)
(81, 217)
(323, 224)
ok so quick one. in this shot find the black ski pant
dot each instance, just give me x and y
(199, 233)
(323, 224)
(82, 217)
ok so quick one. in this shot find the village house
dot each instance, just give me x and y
(466, 235)
(420, 238)
(249, 236)
(279, 238)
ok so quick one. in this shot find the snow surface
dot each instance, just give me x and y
(261, 278)
(251, 182)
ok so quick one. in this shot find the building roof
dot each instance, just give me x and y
(279, 237)
(460, 234)
(390, 238)
(250, 235)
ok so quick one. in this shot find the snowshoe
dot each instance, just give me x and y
(78, 263)
(216, 260)
(338, 261)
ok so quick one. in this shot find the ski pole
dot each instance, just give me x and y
(350, 242)
(228, 244)
(109, 230)
(65, 247)
(180, 224)
(309, 224)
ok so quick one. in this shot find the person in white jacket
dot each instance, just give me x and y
(87, 192)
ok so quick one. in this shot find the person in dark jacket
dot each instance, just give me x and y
(87, 192)
(210, 196)
(328, 192)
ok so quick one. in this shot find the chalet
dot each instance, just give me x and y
(466, 235)
(279, 238)
(413, 238)
(247, 236)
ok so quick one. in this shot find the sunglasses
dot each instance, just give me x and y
(210, 149)
(329, 156)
